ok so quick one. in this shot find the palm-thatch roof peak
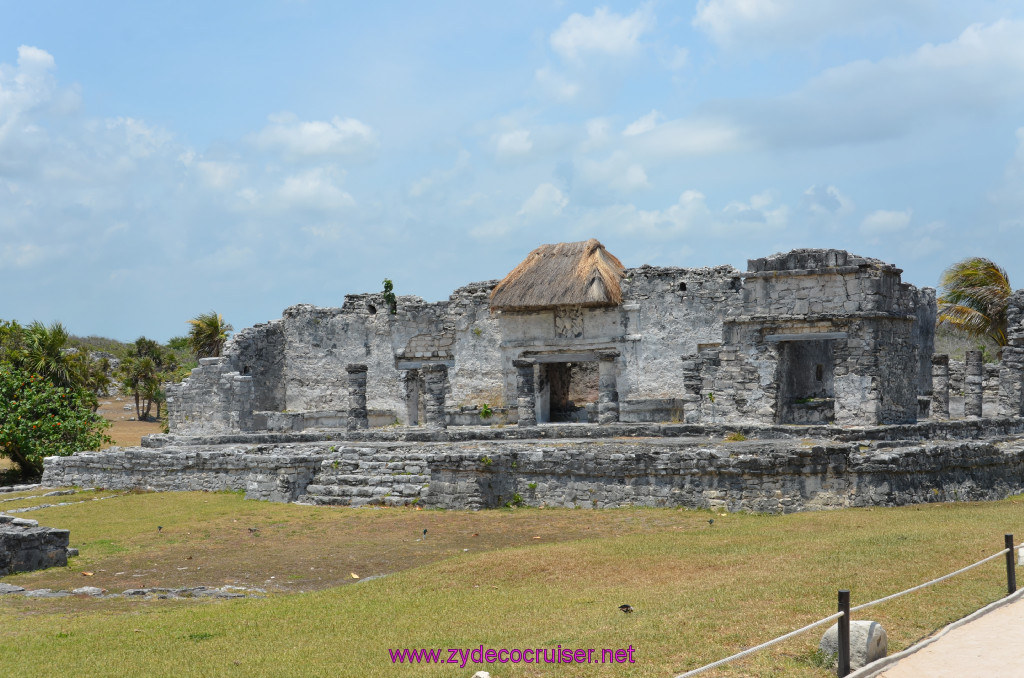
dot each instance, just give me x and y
(563, 274)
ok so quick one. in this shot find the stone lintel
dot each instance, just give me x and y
(577, 357)
(421, 364)
(806, 336)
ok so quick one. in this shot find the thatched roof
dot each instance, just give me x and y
(564, 274)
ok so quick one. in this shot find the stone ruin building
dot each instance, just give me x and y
(807, 381)
(812, 336)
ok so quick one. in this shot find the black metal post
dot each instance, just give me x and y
(844, 634)
(1011, 572)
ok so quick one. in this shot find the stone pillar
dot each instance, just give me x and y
(1011, 378)
(692, 384)
(525, 393)
(974, 384)
(435, 379)
(411, 386)
(607, 391)
(357, 416)
(940, 386)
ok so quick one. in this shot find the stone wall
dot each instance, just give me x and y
(756, 475)
(296, 365)
(259, 352)
(26, 546)
(860, 320)
(265, 472)
(215, 398)
(677, 310)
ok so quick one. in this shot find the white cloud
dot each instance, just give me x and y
(677, 59)
(315, 189)
(886, 222)
(436, 178)
(826, 201)
(218, 175)
(747, 23)
(689, 136)
(690, 215)
(556, 85)
(514, 143)
(604, 32)
(617, 172)
(975, 74)
(23, 88)
(927, 240)
(546, 201)
(643, 124)
(598, 132)
(315, 138)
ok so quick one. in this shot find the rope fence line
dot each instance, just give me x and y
(762, 646)
(838, 615)
(933, 581)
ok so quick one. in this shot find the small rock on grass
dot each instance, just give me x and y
(10, 588)
(88, 591)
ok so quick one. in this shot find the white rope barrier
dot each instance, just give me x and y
(740, 655)
(837, 615)
(929, 583)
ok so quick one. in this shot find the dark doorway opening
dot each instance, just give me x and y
(806, 379)
(568, 392)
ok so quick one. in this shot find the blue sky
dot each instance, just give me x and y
(159, 160)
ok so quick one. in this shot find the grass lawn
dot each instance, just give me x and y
(522, 578)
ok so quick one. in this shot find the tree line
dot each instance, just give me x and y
(51, 383)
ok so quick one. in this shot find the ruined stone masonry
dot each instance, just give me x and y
(575, 381)
(27, 546)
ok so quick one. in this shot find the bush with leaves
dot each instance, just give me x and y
(39, 419)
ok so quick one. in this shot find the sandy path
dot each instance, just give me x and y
(991, 646)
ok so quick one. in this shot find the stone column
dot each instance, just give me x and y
(525, 393)
(940, 386)
(411, 386)
(357, 416)
(692, 384)
(974, 384)
(435, 378)
(1011, 378)
(607, 393)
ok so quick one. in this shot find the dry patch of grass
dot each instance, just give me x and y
(124, 429)
(700, 591)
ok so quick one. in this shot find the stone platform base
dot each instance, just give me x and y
(25, 546)
(764, 475)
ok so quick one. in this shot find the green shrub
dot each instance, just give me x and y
(38, 419)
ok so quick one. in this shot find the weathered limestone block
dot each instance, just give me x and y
(1011, 381)
(215, 398)
(26, 546)
(692, 383)
(973, 384)
(607, 393)
(525, 393)
(868, 642)
(940, 386)
(435, 378)
(357, 415)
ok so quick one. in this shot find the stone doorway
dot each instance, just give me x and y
(568, 392)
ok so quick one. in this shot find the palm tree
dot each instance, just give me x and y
(208, 334)
(975, 293)
(46, 354)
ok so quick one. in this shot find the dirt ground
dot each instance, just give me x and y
(124, 429)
